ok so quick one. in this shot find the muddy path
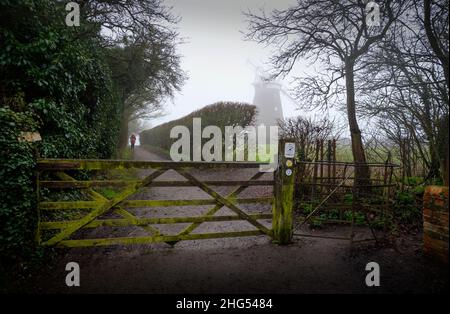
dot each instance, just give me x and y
(237, 265)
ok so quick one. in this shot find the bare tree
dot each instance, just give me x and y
(392, 141)
(145, 74)
(334, 33)
(140, 38)
(307, 131)
(114, 21)
(139, 125)
(435, 21)
(406, 85)
(436, 27)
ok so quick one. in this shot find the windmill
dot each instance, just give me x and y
(267, 98)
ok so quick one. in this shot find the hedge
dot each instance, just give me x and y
(18, 216)
(220, 114)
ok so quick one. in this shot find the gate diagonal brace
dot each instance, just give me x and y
(216, 208)
(102, 209)
(224, 201)
(119, 210)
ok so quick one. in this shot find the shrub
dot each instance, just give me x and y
(408, 208)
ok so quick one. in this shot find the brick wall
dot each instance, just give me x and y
(435, 222)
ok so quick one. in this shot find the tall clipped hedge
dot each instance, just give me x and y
(220, 114)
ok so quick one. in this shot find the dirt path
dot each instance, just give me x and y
(141, 154)
(238, 265)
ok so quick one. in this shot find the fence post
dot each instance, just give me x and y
(282, 221)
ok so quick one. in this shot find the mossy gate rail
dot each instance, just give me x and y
(99, 205)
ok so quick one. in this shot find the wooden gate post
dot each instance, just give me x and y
(282, 221)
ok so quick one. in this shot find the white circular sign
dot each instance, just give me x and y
(288, 172)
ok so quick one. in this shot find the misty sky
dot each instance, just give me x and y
(215, 54)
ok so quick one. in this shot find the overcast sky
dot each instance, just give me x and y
(215, 54)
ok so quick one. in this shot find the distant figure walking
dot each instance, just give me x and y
(132, 140)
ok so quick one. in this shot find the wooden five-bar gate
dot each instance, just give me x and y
(58, 174)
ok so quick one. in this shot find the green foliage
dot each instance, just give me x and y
(109, 193)
(306, 209)
(18, 216)
(344, 153)
(126, 153)
(408, 202)
(408, 208)
(413, 181)
(220, 114)
(359, 217)
(324, 215)
(63, 78)
(348, 199)
(144, 74)
(60, 81)
(55, 81)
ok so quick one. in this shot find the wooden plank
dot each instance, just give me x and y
(102, 183)
(68, 205)
(117, 222)
(85, 184)
(155, 239)
(169, 203)
(101, 210)
(105, 164)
